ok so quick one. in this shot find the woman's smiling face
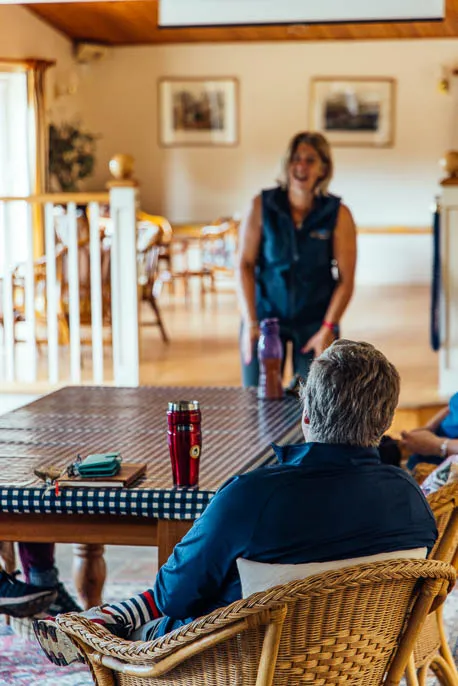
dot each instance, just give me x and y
(305, 169)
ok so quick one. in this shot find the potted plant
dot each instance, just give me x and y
(71, 156)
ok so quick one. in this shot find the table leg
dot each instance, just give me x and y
(169, 533)
(89, 572)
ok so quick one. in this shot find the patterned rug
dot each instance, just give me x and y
(22, 663)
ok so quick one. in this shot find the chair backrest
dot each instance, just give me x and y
(444, 506)
(148, 245)
(218, 245)
(157, 220)
(356, 625)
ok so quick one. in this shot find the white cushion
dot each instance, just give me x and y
(259, 576)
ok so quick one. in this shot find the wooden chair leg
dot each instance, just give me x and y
(445, 651)
(411, 673)
(8, 558)
(443, 671)
(160, 323)
(423, 675)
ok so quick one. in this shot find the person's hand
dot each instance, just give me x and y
(422, 442)
(250, 334)
(319, 341)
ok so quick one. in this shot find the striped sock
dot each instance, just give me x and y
(136, 611)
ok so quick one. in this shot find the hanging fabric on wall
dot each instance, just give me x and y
(436, 283)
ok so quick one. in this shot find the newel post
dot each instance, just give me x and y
(124, 299)
(448, 358)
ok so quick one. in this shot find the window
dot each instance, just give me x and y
(14, 167)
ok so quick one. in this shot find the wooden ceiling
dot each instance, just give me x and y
(134, 22)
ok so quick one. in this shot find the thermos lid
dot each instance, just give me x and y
(183, 405)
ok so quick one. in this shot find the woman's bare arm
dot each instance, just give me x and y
(345, 256)
(249, 241)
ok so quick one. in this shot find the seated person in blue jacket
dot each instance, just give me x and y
(328, 499)
(435, 441)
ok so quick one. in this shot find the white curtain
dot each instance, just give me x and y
(14, 161)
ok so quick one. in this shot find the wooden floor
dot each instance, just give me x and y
(204, 348)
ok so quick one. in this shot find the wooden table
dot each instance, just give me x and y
(237, 430)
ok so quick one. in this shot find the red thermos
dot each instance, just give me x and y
(185, 441)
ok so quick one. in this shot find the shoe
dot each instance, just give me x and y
(19, 599)
(59, 648)
(63, 602)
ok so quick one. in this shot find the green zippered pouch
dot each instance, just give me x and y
(101, 464)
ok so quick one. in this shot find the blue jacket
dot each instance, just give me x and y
(322, 502)
(449, 426)
(294, 277)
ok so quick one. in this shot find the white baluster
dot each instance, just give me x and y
(8, 305)
(124, 294)
(448, 357)
(29, 301)
(96, 294)
(73, 295)
(51, 296)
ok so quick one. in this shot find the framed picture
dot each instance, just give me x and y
(354, 111)
(198, 111)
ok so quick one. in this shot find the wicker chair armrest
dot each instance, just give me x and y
(189, 649)
(446, 497)
(441, 596)
(103, 641)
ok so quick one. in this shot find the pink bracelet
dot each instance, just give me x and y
(332, 327)
(329, 325)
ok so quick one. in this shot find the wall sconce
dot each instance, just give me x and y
(443, 79)
(62, 90)
(443, 85)
(444, 82)
(66, 84)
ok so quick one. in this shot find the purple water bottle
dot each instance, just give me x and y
(270, 354)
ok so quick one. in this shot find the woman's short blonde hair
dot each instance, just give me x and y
(319, 143)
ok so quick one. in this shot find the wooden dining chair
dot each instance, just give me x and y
(149, 242)
(431, 648)
(214, 248)
(355, 625)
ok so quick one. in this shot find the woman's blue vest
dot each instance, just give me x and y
(294, 278)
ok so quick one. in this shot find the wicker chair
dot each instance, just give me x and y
(422, 470)
(431, 648)
(149, 243)
(352, 626)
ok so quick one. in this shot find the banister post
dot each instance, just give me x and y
(448, 357)
(124, 293)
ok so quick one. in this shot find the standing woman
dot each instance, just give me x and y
(297, 259)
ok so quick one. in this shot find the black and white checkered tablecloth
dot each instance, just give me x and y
(237, 430)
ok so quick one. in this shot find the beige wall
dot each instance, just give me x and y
(24, 35)
(385, 186)
(118, 99)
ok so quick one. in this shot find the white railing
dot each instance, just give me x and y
(113, 348)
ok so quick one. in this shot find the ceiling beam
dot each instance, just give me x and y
(134, 22)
